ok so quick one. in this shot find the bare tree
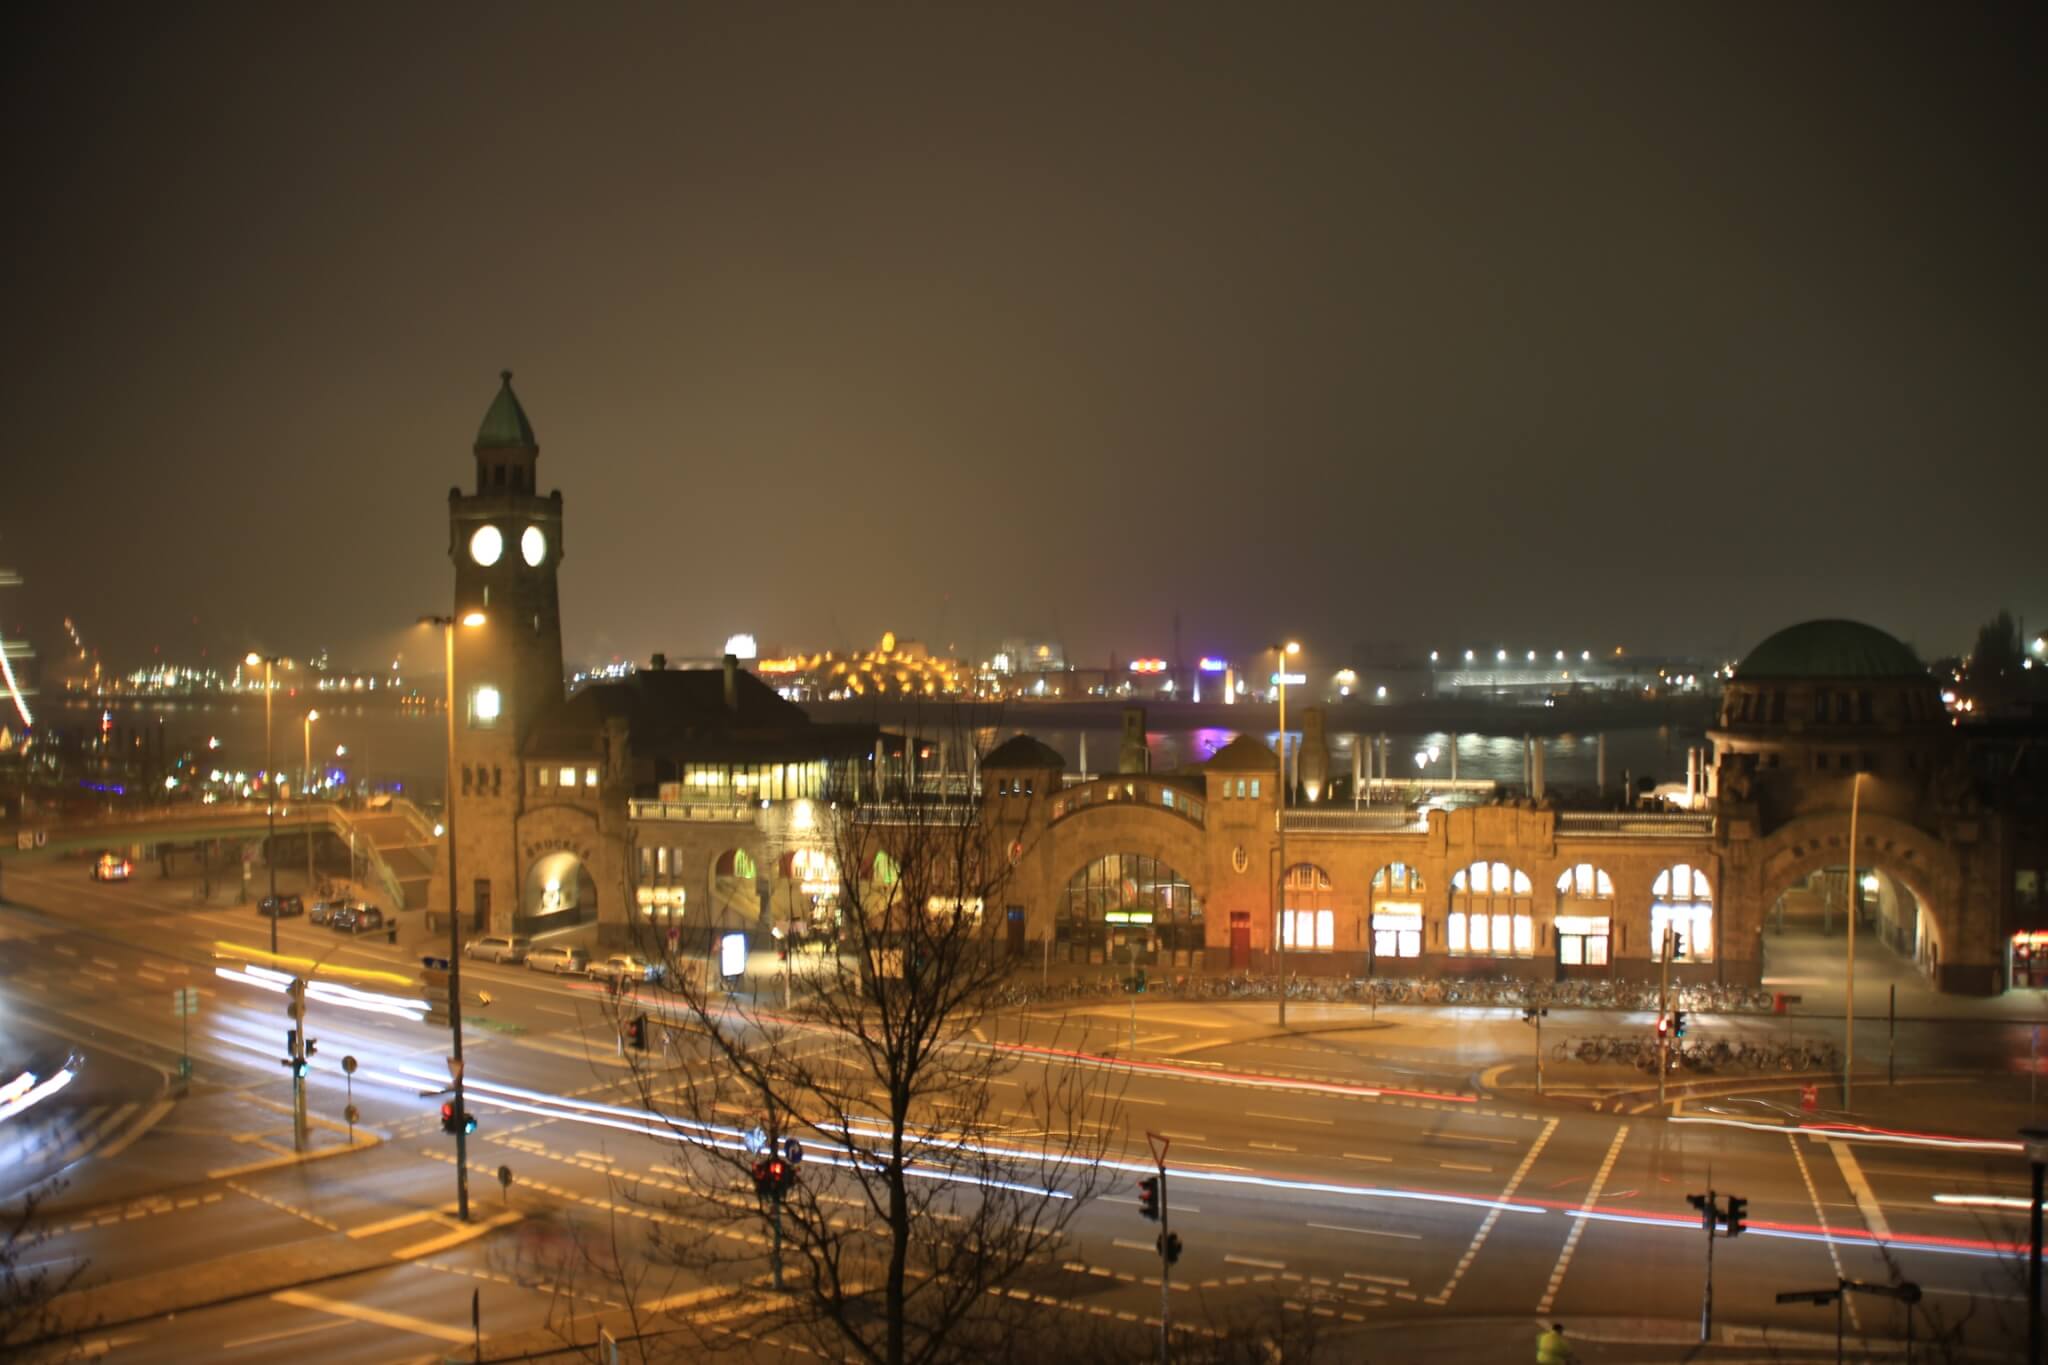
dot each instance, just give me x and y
(32, 1308)
(941, 1166)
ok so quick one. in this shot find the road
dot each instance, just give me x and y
(1363, 1178)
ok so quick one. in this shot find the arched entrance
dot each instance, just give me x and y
(1583, 930)
(1128, 909)
(1813, 913)
(1396, 917)
(735, 889)
(1492, 912)
(559, 894)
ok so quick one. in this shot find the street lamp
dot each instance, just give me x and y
(1281, 653)
(269, 793)
(447, 625)
(2036, 1140)
(1855, 898)
(305, 783)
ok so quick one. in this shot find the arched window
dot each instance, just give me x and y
(1491, 912)
(1127, 898)
(1397, 911)
(1682, 899)
(1307, 922)
(1585, 916)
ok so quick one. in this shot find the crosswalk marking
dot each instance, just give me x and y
(403, 1322)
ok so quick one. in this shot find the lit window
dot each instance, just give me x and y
(1682, 901)
(547, 777)
(590, 777)
(1255, 789)
(484, 704)
(1397, 931)
(568, 776)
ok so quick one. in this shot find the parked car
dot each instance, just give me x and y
(278, 906)
(626, 968)
(112, 867)
(357, 918)
(323, 912)
(558, 960)
(498, 948)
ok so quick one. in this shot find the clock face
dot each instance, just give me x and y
(533, 545)
(486, 545)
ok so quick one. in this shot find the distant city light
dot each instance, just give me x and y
(1212, 664)
(741, 646)
(1148, 665)
(1500, 656)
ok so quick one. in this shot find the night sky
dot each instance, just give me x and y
(1557, 325)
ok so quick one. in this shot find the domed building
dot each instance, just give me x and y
(1829, 720)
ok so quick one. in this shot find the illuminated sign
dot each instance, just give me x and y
(1148, 665)
(1211, 664)
(1291, 679)
(732, 954)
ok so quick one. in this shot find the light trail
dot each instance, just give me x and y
(1849, 1132)
(327, 992)
(21, 1098)
(223, 948)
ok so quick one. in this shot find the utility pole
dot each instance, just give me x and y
(1280, 922)
(269, 799)
(1729, 1222)
(1169, 1245)
(1849, 995)
(1533, 1015)
(1664, 1011)
(447, 625)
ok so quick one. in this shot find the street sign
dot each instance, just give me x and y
(348, 1065)
(184, 1001)
(455, 1068)
(434, 964)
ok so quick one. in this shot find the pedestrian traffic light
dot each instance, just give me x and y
(1737, 1210)
(636, 1032)
(291, 1041)
(1678, 1023)
(312, 1046)
(1663, 1027)
(454, 1120)
(1169, 1247)
(448, 1117)
(760, 1174)
(1148, 1197)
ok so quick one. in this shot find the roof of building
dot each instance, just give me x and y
(681, 715)
(505, 425)
(1244, 755)
(1830, 649)
(1024, 752)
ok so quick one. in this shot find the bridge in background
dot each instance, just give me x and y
(397, 843)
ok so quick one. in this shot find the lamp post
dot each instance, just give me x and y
(269, 794)
(1281, 654)
(305, 784)
(1849, 1000)
(2036, 1140)
(447, 625)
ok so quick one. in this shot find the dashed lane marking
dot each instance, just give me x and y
(1232, 1258)
(1866, 1198)
(1369, 1232)
(315, 1219)
(1571, 1239)
(1834, 1254)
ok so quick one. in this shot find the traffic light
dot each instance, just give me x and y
(291, 1041)
(448, 1117)
(772, 1176)
(636, 1032)
(1678, 1023)
(1169, 1247)
(1737, 1210)
(455, 1120)
(1663, 1027)
(1148, 1197)
(312, 1046)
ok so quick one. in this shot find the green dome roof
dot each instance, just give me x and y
(1830, 649)
(1024, 752)
(505, 425)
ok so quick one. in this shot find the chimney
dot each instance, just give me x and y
(658, 662)
(732, 682)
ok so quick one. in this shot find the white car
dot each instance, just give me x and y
(558, 960)
(498, 948)
(626, 968)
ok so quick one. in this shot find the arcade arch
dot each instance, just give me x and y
(1128, 908)
(1584, 924)
(1492, 912)
(559, 894)
(1308, 920)
(1682, 899)
(1394, 910)
(735, 888)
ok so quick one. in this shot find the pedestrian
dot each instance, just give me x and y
(1551, 1348)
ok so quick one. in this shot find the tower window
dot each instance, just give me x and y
(484, 705)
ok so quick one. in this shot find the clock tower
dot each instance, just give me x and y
(506, 541)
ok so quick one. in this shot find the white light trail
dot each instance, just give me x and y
(35, 1094)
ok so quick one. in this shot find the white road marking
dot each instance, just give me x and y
(1471, 1137)
(1369, 1232)
(1571, 1240)
(1461, 1166)
(1376, 1279)
(1272, 1146)
(1289, 1118)
(1146, 1247)
(1443, 1296)
(363, 1313)
(1855, 1320)
(1365, 1156)
(1234, 1259)
(268, 1337)
(1866, 1198)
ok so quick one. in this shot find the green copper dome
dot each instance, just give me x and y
(1830, 649)
(505, 425)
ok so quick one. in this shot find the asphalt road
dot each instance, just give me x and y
(1361, 1178)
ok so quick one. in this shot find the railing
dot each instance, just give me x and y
(1356, 821)
(1600, 824)
(936, 814)
(714, 812)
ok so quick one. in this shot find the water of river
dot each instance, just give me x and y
(387, 745)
